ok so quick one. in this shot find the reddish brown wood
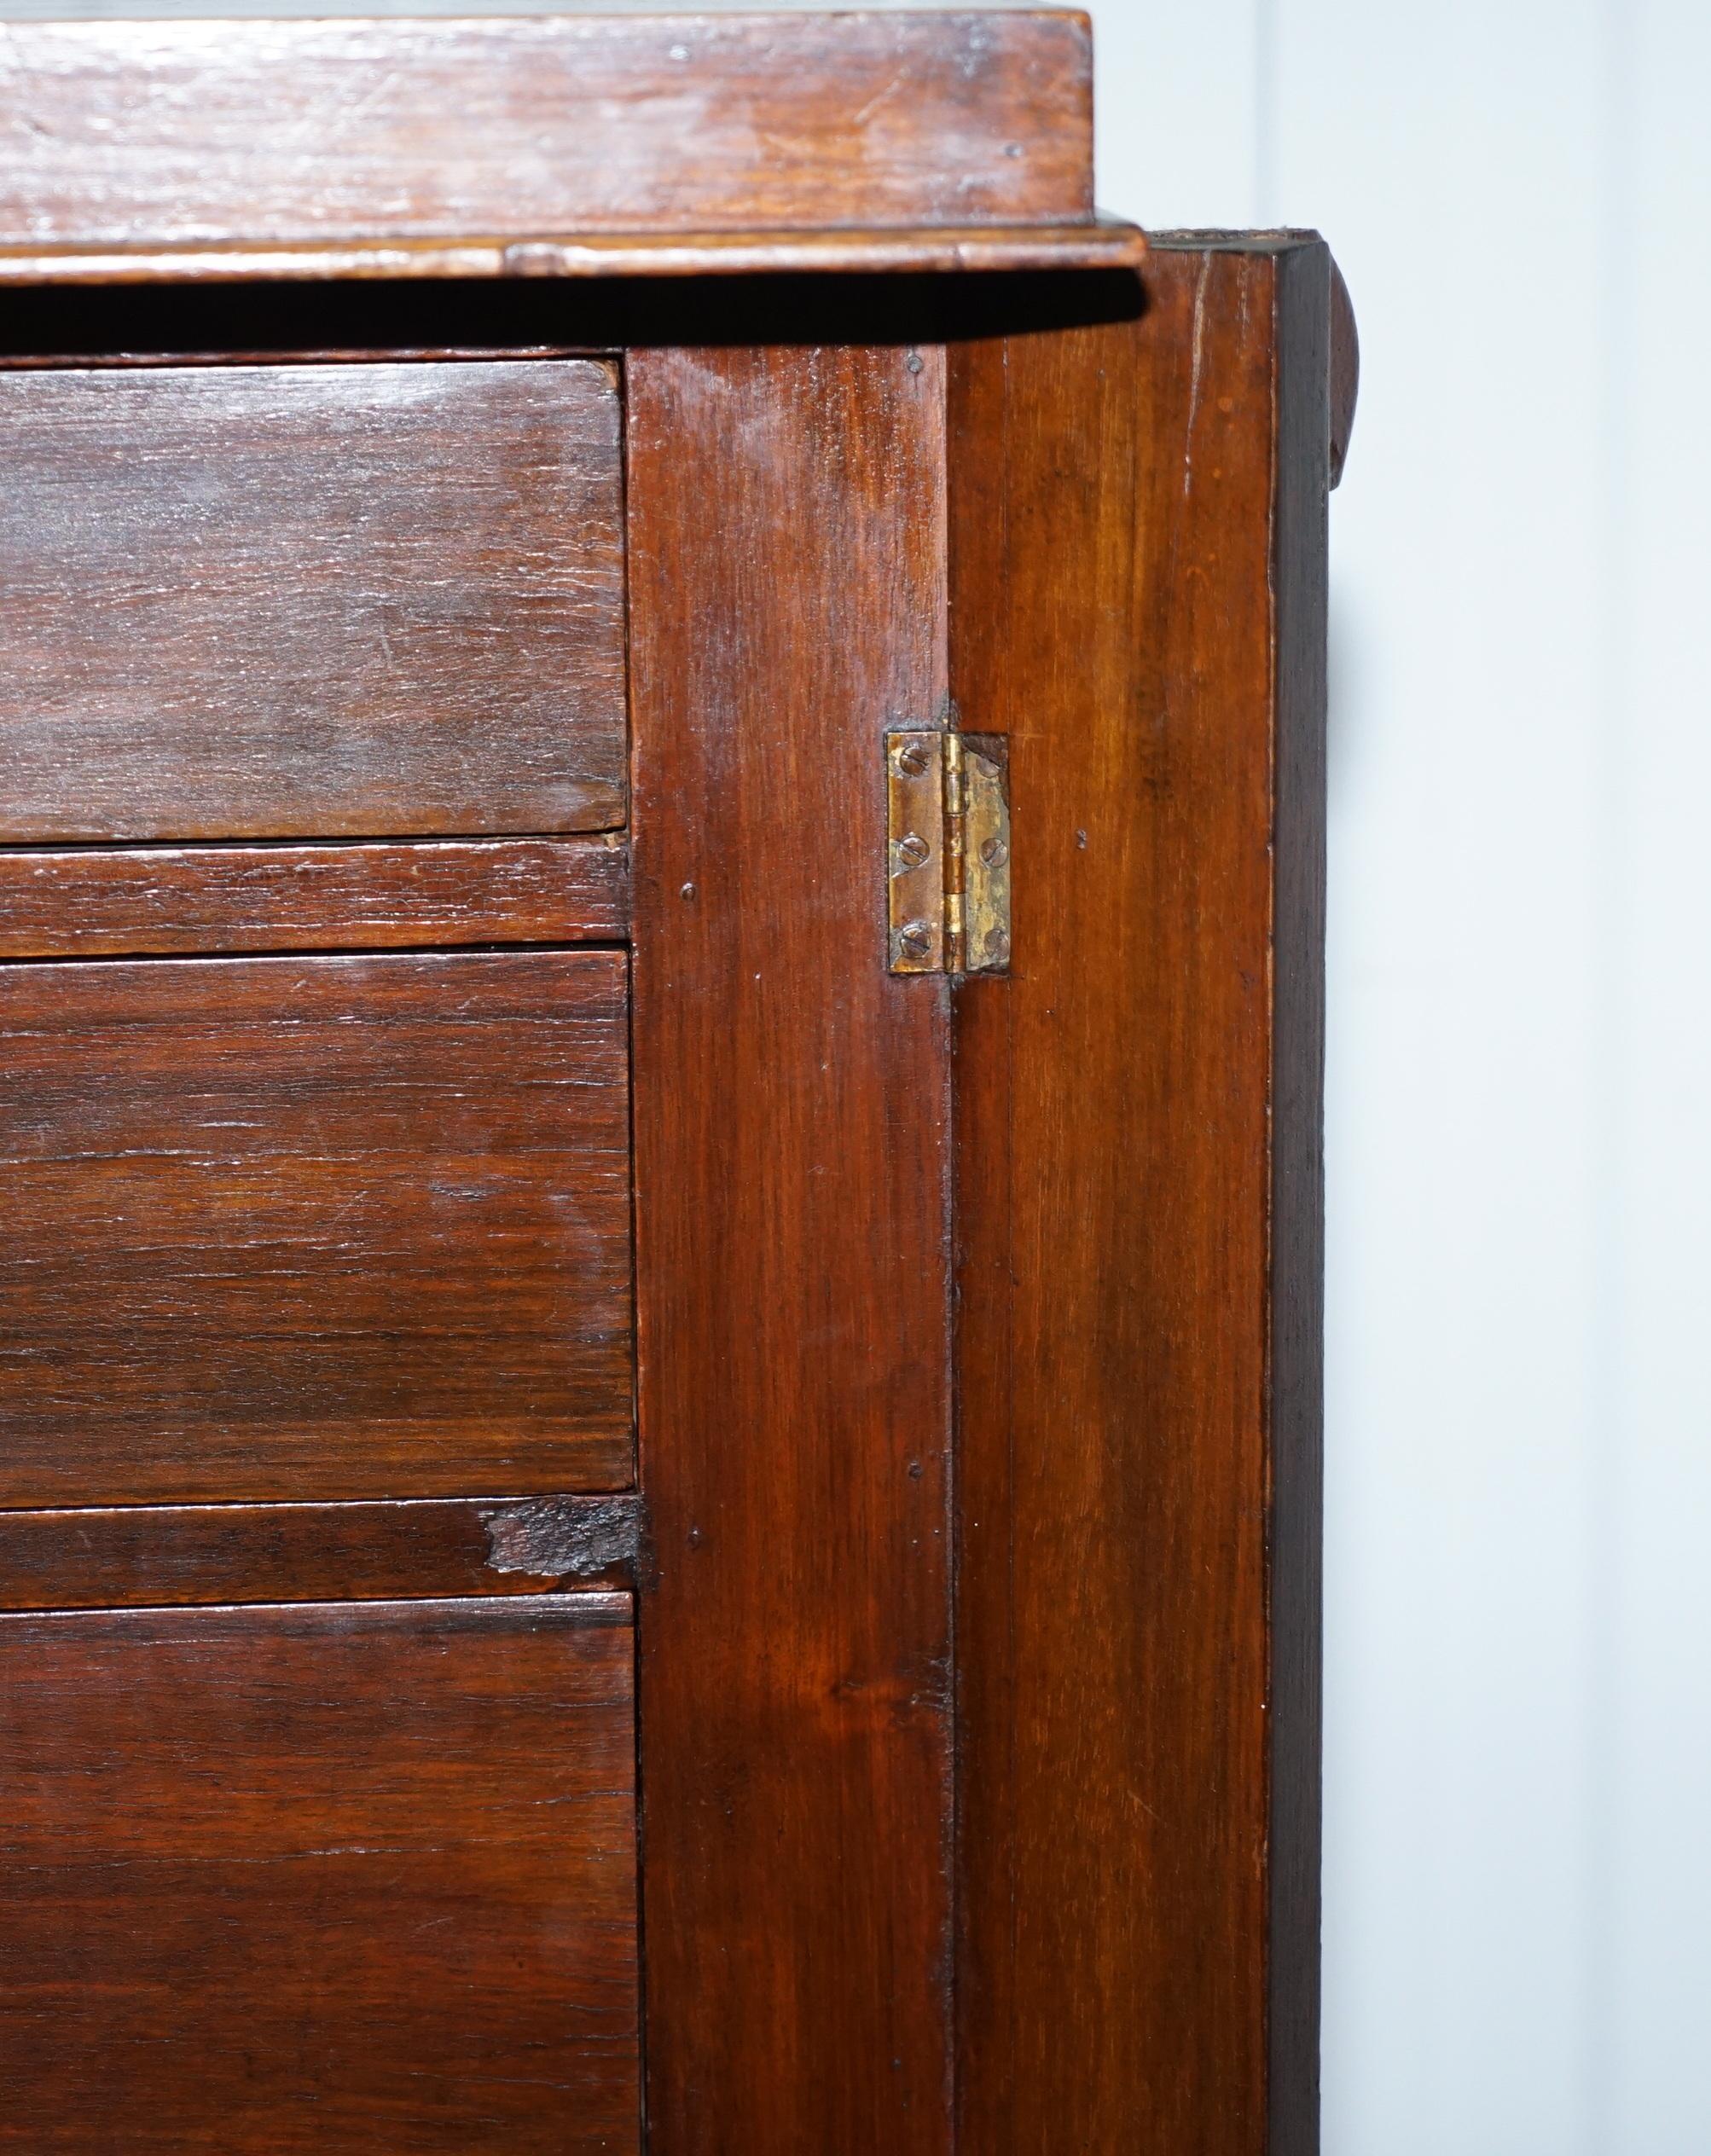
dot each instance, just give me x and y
(786, 555)
(1137, 586)
(319, 1879)
(156, 133)
(312, 602)
(91, 901)
(334, 1227)
(96, 1558)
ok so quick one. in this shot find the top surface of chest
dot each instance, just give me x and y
(136, 133)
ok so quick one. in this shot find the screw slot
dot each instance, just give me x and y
(914, 939)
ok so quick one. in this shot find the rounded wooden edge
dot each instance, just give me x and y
(1345, 371)
(1108, 244)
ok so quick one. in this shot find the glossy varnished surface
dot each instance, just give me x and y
(319, 1879)
(310, 601)
(1138, 583)
(141, 133)
(786, 550)
(333, 1227)
(97, 902)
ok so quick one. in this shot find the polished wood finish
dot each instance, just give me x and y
(312, 602)
(320, 1228)
(1101, 243)
(133, 1556)
(792, 1194)
(159, 134)
(91, 901)
(462, 550)
(327, 1878)
(1137, 587)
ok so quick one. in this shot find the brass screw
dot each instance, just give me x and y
(914, 939)
(912, 850)
(994, 853)
(997, 946)
(912, 758)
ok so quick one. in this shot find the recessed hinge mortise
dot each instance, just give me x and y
(948, 859)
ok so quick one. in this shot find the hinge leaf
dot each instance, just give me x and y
(948, 853)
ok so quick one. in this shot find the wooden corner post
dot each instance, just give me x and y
(1137, 601)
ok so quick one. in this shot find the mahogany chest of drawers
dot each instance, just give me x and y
(661, 869)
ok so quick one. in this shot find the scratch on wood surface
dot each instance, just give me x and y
(1194, 374)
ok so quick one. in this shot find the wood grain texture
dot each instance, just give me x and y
(117, 134)
(139, 1556)
(1137, 576)
(312, 602)
(319, 1879)
(91, 901)
(792, 1190)
(300, 1228)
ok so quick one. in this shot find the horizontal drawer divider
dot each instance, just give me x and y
(86, 901)
(133, 1556)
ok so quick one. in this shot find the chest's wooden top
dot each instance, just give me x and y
(534, 143)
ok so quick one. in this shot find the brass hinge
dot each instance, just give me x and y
(947, 865)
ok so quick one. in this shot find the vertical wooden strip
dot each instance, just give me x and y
(786, 522)
(1136, 580)
(1307, 452)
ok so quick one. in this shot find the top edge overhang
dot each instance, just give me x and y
(594, 143)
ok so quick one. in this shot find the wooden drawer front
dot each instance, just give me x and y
(364, 600)
(313, 1228)
(345, 1878)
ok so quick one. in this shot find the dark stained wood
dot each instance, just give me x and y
(1137, 578)
(312, 602)
(329, 1878)
(91, 901)
(167, 134)
(1107, 243)
(319, 1227)
(1316, 370)
(955, 1420)
(787, 553)
(141, 1554)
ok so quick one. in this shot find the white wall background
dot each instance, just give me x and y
(1518, 1774)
